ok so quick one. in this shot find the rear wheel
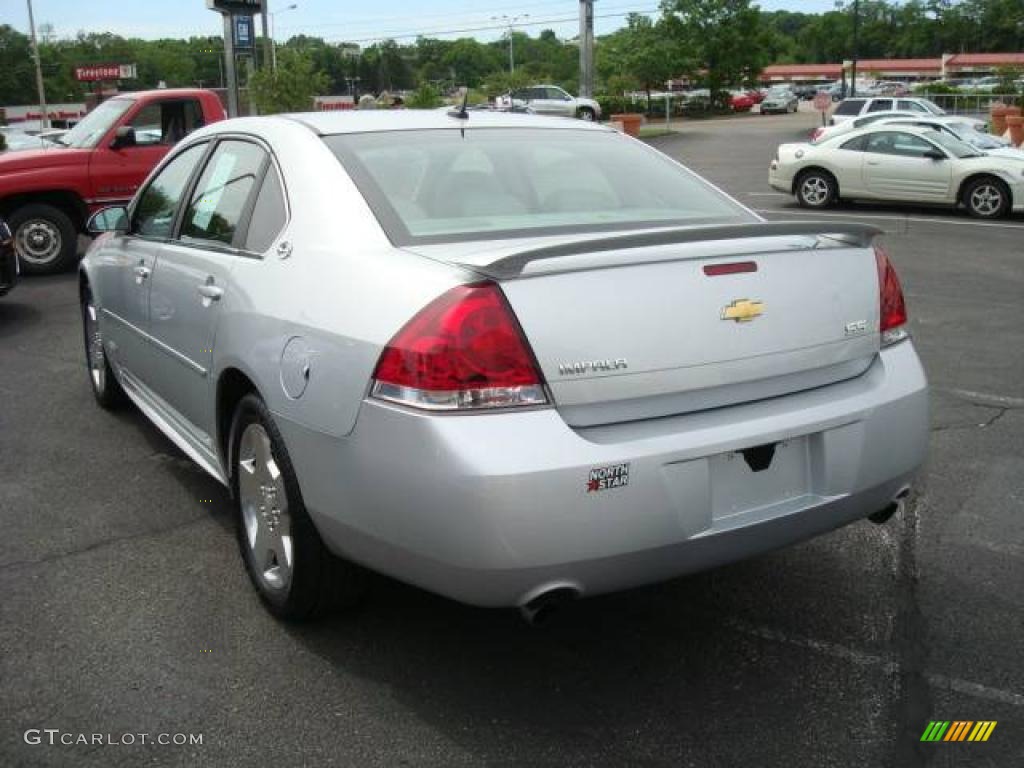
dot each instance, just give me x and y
(45, 238)
(289, 565)
(816, 189)
(105, 386)
(986, 198)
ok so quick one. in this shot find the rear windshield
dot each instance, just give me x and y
(849, 107)
(442, 186)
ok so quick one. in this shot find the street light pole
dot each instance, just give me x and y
(44, 113)
(273, 42)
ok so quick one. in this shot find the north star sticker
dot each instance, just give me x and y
(606, 478)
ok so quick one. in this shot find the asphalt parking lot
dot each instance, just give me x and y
(124, 608)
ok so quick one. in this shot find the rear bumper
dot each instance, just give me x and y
(494, 509)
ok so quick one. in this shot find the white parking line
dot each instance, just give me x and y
(766, 194)
(871, 216)
(999, 400)
(886, 663)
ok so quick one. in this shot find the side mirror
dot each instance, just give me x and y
(935, 154)
(123, 137)
(112, 219)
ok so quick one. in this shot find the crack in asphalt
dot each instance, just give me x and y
(913, 704)
(101, 544)
(1000, 412)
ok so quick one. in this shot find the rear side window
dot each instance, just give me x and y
(268, 216)
(880, 105)
(850, 107)
(223, 191)
(855, 145)
(905, 105)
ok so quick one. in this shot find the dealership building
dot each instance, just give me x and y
(950, 66)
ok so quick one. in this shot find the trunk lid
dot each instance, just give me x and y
(635, 327)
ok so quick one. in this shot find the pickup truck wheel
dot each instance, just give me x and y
(586, 113)
(293, 571)
(45, 238)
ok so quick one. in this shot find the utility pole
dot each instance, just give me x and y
(44, 113)
(267, 42)
(856, 45)
(511, 21)
(229, 62)
(586, 48)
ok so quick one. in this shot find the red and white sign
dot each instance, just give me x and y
(97, 72)
(822, 101)
(333, 103)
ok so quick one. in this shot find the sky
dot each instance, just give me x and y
(337, 20)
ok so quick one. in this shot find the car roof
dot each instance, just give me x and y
(374, 121)
(877, 127)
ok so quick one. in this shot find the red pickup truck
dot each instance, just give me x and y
(47, 195)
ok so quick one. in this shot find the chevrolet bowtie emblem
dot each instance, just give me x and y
(743, 310)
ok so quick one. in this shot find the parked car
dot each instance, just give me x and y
(757, 95)
(46, 195)
(901, 164)
(395, 337)
(552, 100)
(8, 259)
(966, 132)
(850, 108)
(780, 100)
(741, 101)
(823, 132)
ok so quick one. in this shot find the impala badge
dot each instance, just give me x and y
(743, 310)
(592, 366)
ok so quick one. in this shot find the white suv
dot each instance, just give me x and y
(848, 109)
(552, 100)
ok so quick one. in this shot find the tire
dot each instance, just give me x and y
(45, 238)
(986, 198)
(105, 386)
(272, 515)
(586, 114)
(816, 189)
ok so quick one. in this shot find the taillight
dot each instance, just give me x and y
(465, 350)
(893, 309)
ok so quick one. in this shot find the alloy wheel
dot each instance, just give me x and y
(815, 191)
(265, 515)
(986, 199)
(94, 348)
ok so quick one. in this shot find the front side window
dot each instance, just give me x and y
(880, 105)
(441, 186)
(898, 143)
(905, 105)
(557, 94)
(166, 122)
(154, 214)
(223, 191)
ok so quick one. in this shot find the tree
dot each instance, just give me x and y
(644, 52)
(725, 36)
(291, 88)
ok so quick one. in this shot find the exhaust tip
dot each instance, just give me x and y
(885, 514)
(536, 610)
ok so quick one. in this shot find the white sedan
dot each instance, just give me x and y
(899, 163)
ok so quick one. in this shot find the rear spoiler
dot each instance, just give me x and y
(847, 233)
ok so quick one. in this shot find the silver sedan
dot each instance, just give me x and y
(509, 359)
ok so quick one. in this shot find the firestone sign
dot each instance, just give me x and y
(96, 72)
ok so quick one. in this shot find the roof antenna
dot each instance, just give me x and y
(461, 113)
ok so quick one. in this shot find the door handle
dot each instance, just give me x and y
(211, 291)
(874, 162)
